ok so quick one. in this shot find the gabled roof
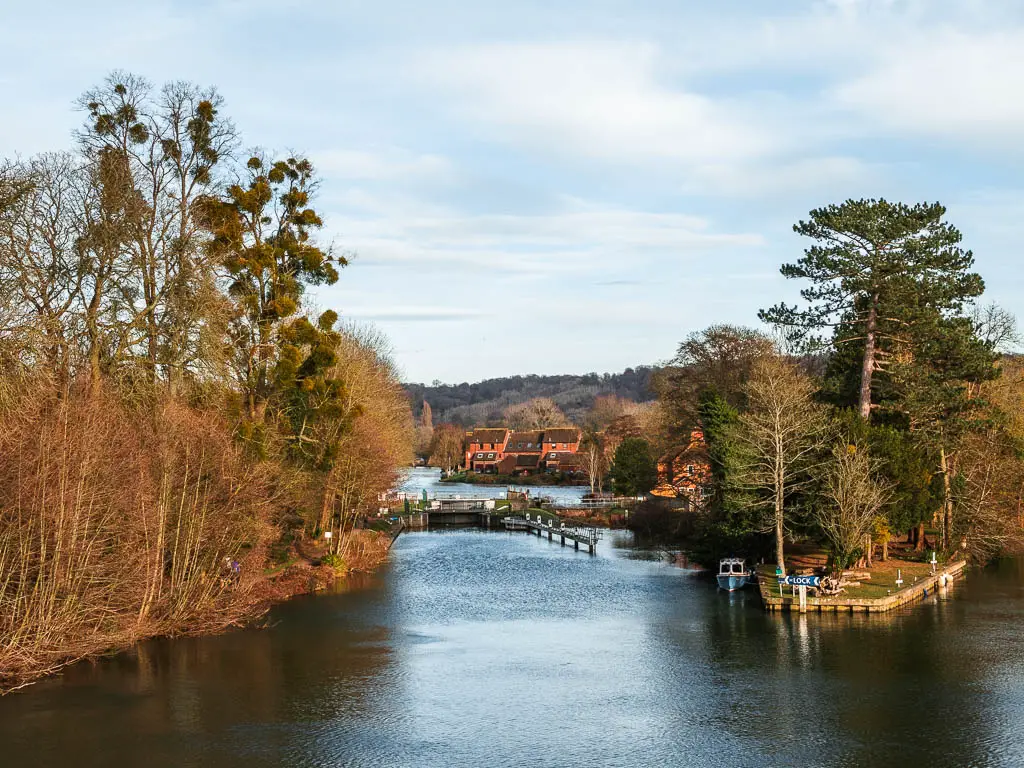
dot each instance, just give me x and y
(530, 438)
(561, 435)
(566, 459)
(488, 436)
(527, 461)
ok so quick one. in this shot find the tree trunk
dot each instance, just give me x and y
(780, 559)
(867, 369)
(869, 549)
(919, 538)
(885, 550)
(947, 502)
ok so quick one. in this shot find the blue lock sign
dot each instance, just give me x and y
(801, 581)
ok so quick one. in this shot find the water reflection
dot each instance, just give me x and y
(495, 649)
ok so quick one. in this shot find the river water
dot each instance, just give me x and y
(420, 479)
(475, 649)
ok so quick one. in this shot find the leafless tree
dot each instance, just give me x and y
(595, 461)
(851, 500)
(446, 449)
(781, 436)
(719, 358)
(997, 327)
(538, 413)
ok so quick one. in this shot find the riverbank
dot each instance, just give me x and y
(477, 478)
(874, 591)
(246, 599)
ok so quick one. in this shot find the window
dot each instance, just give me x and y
(490, 455)
(554, 456)
(479, 455)
(563, 445)
(689, 469)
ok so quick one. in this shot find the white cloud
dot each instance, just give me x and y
(586, 237)
(600, 99)
(381, 165)
(403, 314)
(947, 83)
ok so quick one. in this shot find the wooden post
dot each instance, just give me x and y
(803, 599)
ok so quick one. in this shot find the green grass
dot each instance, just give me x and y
(881, 584)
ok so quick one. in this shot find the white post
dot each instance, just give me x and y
(803, 599)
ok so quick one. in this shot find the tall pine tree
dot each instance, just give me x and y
(874, 268)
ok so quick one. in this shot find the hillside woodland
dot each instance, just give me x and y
(485, 403)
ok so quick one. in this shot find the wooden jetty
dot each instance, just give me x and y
(577, 534)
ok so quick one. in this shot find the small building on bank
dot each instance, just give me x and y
(685, 472)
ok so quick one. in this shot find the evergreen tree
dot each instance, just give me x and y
(262, 233)
(874, 267)
(634, 471)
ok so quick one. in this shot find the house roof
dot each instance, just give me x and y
(566, 459)
(488, 436)
(530, 438)
(527, 461)
(561, 435)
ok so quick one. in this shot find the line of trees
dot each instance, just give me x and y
(169, 401)
(885, 405)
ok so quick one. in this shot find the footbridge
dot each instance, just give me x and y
(586, 535)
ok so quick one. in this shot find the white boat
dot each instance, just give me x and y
(733, 574)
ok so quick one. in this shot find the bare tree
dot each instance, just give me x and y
(446, 449)
(997, 327)
(718, 358)
(780, 437)
(41, 268)
(169, 143)
(538, 413)
(594, 459)
(852, 499)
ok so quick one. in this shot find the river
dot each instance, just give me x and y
(421, 479)
(474, 649)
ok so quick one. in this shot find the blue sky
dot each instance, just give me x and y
(533, 187)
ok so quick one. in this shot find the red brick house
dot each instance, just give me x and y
(485, 448)
(686, 471)
(524, 452)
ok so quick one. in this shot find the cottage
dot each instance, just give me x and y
(485, 448)
(686, 471)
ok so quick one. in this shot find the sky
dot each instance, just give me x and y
(538, 187)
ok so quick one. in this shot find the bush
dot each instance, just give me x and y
(331, 560)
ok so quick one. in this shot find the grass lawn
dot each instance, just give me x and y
(883, 574)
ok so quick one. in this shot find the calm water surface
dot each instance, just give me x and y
(427, 479)
(476, 649)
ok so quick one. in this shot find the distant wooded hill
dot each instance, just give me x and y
(482, 403)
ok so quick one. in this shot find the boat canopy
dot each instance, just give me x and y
(732, 565)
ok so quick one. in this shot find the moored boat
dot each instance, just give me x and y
(732, 574)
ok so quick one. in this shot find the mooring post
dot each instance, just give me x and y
(577, 543)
